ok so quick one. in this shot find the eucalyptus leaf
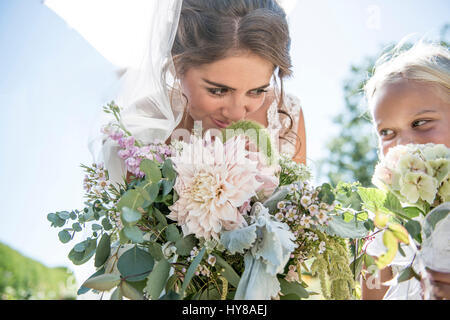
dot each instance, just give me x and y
(172, 233)
(151, 170)
(185, 245)
(130, 216)
(155, 250)
(134, 234)
(434, 216)
(76, 227)
(191, 270)
(167, 186)
(131, 199)
(82, 289)
(157, 279)
(103, 282)
(117, 294)
(135, 264)
(229, 273)
(80, 257)
(63, 215)
(64, 236)
(96, 227)
(106, 224)
(130, 292)
(103, 250)
(168, 171)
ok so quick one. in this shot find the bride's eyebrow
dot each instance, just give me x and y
(219, 85)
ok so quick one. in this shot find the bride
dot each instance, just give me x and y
(227, 62)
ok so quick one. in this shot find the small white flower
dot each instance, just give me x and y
(211, 260)
(305, 201)
(323, 218)
(305, 221)
(281, 205)
(279, 216)
(313, 209)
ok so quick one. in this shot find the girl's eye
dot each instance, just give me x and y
(419, 123)
(218, 91)
(386, 133)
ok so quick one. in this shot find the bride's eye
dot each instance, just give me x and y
(386, 133)
(418, 123)
(257, 92)
(218, 91)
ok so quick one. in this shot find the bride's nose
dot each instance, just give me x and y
(237, 110)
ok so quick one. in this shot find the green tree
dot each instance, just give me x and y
(22, 278)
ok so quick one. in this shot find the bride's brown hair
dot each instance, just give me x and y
(210, 30)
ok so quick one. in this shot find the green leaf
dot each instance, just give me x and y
(134, 234)
(130, 292)
(414, 229)
(228, 272)
(131, 199)
(155, 250)
(103, 282)
(151, 170)
(129, 216)
(80, 247)
(191, 270)
(82, 289)
(64, 236)
(412, 212)
(63, 215)
(326, 194)
(172, 233)
(117, 294)
(293, 288)
(171, 282)
(372, 198)
(356, 266)
(160, 217)
(56, 220)
(152, 190)
(135, 264)
(80, 257)
(185, 245)
(393, 204)
(167, 186)
(96, 227)
(171, 295)
(157, 279)
(106, 224)
(338, 227)
(76, 227)
(406, 274)
(168, 171)
(103, 250)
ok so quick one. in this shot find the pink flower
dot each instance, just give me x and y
(212, 184)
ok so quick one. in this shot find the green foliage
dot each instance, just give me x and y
(22, 278)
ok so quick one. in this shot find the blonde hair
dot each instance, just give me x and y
(424, 62)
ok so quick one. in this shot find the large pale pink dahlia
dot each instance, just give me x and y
(213, 181)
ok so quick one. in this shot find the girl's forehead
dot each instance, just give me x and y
(406, 98)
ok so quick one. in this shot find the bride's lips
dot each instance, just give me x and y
(220, 124)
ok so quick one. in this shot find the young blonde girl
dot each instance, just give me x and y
(409, 97)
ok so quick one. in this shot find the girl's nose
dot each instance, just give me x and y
(237, 110)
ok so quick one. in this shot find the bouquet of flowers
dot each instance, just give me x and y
(412, 197)
(209, 218)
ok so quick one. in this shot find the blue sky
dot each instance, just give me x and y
(53, 84)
